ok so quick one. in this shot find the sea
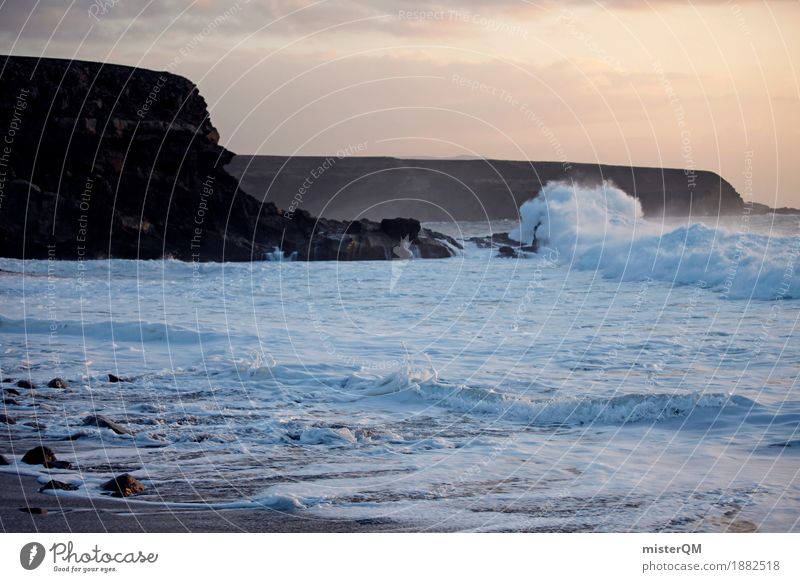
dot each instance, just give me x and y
(631, 375)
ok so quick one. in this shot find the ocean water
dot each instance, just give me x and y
(631, 376)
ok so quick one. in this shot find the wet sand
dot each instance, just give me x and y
(72, 514)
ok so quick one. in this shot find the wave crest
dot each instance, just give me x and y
(602, 228)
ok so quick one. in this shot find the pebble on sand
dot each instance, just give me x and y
(59, 485)
(123, 486)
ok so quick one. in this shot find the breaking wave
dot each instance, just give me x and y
(602, 228)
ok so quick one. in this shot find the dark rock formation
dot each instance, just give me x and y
(114, 379)
(507, 252)
(103, 422)
(114, 161)
(58, 485)
(25, 384)
(4, 461)
(398, 228)
(11, 391)
(123, 486)
(44, 456)
(6, 419)
(34, 510)
(497, 239)
(445, 190)
(39, 456)
(57, 383)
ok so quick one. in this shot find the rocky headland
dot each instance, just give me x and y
(102, 160)
(467, 189)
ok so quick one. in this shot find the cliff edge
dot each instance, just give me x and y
(102, 160)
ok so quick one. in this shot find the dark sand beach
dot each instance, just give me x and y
(78, 515)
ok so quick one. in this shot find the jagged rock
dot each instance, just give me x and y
(397, 228)
(4, 461)
(136, 182)
(114, 379)
(59, 465)
(10, 402)
(57, 383)
(39, 456)
(25, 384)
(507, 252)
(123, 486)
(6, 419)
(104, 422)
(59, 485)
(497, 239)
(11, 391)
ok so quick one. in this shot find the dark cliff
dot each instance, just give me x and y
(468, 189)
(101, 160)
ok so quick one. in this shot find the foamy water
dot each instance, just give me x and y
(631, 376)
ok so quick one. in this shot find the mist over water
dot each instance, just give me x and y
(603, 229)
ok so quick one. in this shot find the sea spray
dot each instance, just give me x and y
(601, 228)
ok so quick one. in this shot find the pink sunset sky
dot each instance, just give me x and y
(707, 85)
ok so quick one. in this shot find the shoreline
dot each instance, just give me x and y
(70, 514)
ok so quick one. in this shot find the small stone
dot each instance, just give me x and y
(39, 456)
(7, 419)
(113, 379)
(34, 510)
(3, 460)
(10, 402)
(12, 391)
(57, 383)
(58, 465)
(123, 486)
(104, 422)
(25, 384)
(59, 485)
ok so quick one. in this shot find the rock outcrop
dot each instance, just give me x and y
(39, 456)
(102, 421)
(103, 160)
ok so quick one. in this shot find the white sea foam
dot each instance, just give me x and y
(482, 392)
(602, 228)
(424, 384)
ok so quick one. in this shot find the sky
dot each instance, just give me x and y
(703, 85)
